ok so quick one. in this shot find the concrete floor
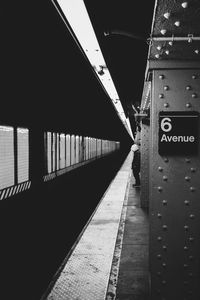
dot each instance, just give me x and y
(84, 275)
(133, 276)
(110, 260)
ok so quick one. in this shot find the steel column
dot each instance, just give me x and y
(174, 195)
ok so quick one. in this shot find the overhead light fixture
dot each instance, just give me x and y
(75, 13)
(100, 70)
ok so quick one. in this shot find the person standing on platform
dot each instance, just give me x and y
(136, 164)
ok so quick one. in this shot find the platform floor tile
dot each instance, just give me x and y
(133, 276)
(86, 273)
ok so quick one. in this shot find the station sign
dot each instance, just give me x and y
(178, 133)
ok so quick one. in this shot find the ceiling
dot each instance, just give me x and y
(125, 32)
(43, 71)
(122, 29)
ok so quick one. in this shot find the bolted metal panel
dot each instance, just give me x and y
(175, 33)
(174, 195)
(144, 196)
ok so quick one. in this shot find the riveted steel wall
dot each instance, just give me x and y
(174, 195)
(144, 196)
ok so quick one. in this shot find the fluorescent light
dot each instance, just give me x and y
(76, 14)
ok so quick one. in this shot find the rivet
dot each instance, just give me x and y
(186, 227)
(161, 96)
(164, 247)
(164, 265)
(166, 104)
(184, 4)
(166, 159)
(163, 31)
(170, 43)
(193, 170)
(159, 256)
(192, 189)
(161, 76)
(159, 47)
(159, 238)
(185, 248)
(164, 202)
(187, 178)
(159, 188)
(159, 273)
(177, 23)
(164, 281)
(191, 216)
(188, 105)
(165, 178)
(194, 95)
(166, 87)
(157, 55)
(167, 15)
(187, 160)
(159, 215)
(191, 257)
(164, 227)
(160, 169)
(194, 76)
(191, 239)
(196, 51)
(186, 202)
(188, 88)
(185, 266)
(167, 52)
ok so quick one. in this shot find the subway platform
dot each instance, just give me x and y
(109, 261)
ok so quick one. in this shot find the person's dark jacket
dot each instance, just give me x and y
(136, 160)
